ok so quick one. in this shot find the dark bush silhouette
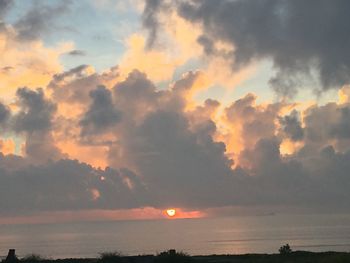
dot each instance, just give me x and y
(171, 256)
(111, 257)
(32, 258)
(285, 249)
(11, 256)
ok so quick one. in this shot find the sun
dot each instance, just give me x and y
(171, 212)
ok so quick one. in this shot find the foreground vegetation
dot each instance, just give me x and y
(172, 256)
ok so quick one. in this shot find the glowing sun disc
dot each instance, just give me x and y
(171, 212)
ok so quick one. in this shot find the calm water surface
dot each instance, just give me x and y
(234, 235)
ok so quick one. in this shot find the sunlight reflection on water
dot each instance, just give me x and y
(234, 235)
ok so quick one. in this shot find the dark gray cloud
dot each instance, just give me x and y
(35, 121)
(137, 95)
(77, 71)
(65, 185)
(326, 125)
(168, 149)
(298, 36)
(36, 111)
(102, 113)
(150, 20)
(291, 125)
(330, 121)
(342, 128)
(77, 52)
(273, 181)
(40, 20)
(172, 158)
(5, 5)
(4, 113)
(298, 181)
(186, 82)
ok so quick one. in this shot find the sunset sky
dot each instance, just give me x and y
(116, 109)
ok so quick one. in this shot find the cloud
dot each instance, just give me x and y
(171, 158)
(326, 125)
(24, 63)
(75, 85)
(4, 113)
(174, 152)
(286, 32)
(102, 114)
(65, 185)
(36, 112)
(71, 92)
(159, 65)
(39, 20)
(136, 95)
(291, 125)
(77, 52)
(155, 151)
(246, 122)
(35, 120)
(150, 21)
(116, 140)
(78, 71)
(5, 5)
(7, 146)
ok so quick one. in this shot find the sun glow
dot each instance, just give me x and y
(171, 212)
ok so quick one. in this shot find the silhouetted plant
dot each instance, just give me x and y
(32, 258)
(11, 256)
(111, 257)
(171, 256)
(285, 249)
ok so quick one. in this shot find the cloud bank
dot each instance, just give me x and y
(135, 136)
(161, 154)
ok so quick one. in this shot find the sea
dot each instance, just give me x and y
(205, 236)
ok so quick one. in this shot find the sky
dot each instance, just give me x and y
(121, 109)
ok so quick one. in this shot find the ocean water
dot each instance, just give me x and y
(229, 235)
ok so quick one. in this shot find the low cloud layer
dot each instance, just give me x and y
(65, 185)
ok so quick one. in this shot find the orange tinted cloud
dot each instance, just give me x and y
(288, 146)
(177, 46)
(182, 37)
(158, 65)
(344, 95)
(96, 156)
(28, 64)
(7, 146)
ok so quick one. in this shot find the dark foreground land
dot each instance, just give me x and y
(167, 257)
